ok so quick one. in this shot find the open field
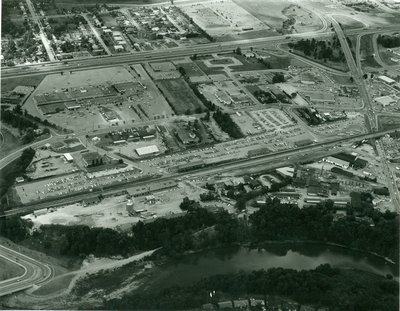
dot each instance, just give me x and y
(56, 285)
(388, 56)
(8, 142)
(191, 69)
(112, 212)
(349, 22)
(10, 83)
(342, 66)
(276, 12)
(367, 51)
(9, 269)
(180, 96)
(388, 122)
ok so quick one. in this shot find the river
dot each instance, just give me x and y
(193, 267)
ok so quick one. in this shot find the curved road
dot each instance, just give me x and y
(35, 272)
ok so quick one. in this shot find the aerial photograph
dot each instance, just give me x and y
(200, 155)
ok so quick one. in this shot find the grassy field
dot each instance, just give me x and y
(367, 49)
(221, 61)
(9, 84)
(180, 96)
(341, 79)
(388, 122)
(342, 66)
(386, 56)
(57, 285)
(9, 270)
(191, 69)
(108, 280)
(8, 142)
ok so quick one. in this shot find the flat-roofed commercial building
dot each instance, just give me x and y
(148, 150)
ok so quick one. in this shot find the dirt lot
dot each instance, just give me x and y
(112, 212)
(180, 96)
(273, 13)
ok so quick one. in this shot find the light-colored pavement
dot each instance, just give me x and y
(35, 272)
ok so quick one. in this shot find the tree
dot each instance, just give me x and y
(188, 205)
(278, 78)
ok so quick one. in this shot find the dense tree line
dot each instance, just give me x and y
(15, 169)
(264, 97)
(226, 124)
(199, 228)
(177, 235)
(322, 287)
(23, 122)
(23, 119)
(82, 240)
(320, 49)
(14, 228)
(389, 41)
(277, 221)
(17, 120)
(9, 27)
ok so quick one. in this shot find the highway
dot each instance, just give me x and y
(172, 53)
(357, 74)
(372, 125)
(246, 163)
(35, 272)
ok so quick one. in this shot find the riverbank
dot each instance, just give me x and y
(299, 242)
(323, 286)
(294, 255)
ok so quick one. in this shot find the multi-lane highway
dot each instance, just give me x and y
(172, 53)
(357, 73)
(35, 272)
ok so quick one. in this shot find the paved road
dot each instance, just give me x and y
(280, 157)
(35, 272)
(357, 74)
(377, 55)
(372, 125)
(139, 57)
(16, 154)
(42, 34)
(96, 34)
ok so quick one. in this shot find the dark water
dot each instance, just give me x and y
(194, 267)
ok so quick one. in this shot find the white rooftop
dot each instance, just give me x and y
(147, 150)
